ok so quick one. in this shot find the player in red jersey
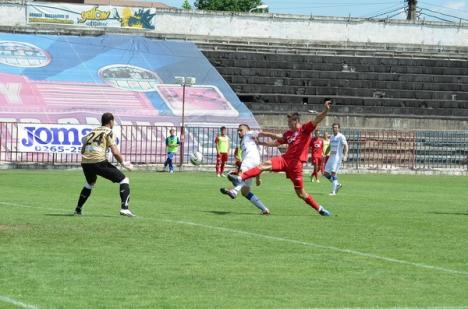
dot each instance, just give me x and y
(298, 140)
(317, 155)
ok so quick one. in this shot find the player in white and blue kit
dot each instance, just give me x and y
(338, 153)
(250, 158)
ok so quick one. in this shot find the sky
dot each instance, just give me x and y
(361, 8)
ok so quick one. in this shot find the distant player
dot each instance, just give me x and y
(172, 144)
(250, 158)
(94, 163)
(338, 153)
(298, 140)
(222, 150)
(317, 155)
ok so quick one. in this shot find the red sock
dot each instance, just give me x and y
(310, 200)
(254, 171)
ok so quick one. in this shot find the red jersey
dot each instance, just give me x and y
(317, 147)
(298, 142)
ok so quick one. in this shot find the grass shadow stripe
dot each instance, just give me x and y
(331, 248)
(276, 238)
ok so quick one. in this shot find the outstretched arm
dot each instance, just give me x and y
(268, 144)
(270, 135)
(323, 114)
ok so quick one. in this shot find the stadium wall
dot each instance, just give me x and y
(387, 151)
(396, 122)
(280, 27)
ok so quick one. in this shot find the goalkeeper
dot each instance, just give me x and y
(94, 162)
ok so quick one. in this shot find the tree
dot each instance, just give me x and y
(227, 5)
(186, 5)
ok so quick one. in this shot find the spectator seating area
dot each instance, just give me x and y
(374, 80)
(405, 149)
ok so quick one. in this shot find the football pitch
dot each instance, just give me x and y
(392, 242)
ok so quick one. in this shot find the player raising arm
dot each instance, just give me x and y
(298, 140)
(94, 163)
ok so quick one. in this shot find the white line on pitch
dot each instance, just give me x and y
(310, 244)
(12, 301)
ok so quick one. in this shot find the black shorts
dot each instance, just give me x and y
(104, 169)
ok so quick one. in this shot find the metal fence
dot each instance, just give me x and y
(368, 149)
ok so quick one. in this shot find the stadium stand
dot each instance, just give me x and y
(379, 79)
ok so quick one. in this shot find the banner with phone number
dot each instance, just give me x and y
(55, 138)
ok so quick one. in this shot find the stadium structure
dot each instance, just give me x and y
(400, 87)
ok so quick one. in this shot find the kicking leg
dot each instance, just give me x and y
(302, 194)
(253, 172)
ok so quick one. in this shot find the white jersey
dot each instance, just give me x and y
(337, 144)
(249, 148)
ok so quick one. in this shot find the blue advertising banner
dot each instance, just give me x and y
(71, 79)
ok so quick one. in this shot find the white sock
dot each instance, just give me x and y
(335, 185)
(256, 201)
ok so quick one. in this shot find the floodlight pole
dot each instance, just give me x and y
(182, 127)
(184, 82)
(412, 10)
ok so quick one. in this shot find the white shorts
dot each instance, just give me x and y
(333, 165)
(246, 165)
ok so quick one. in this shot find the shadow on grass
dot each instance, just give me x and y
(90, 215)
(449, 213)
(223, 213)
(253, 213)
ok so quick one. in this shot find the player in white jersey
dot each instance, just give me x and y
(338, 153)
(250, 158)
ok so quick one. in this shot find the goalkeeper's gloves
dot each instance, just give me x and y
(127, 165)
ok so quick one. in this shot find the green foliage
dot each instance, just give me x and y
(191, 247)
(227, 5)
(186, 5)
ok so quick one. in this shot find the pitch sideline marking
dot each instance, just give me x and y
(12, 301)
(310, 244)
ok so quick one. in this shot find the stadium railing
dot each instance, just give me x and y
(145, 145)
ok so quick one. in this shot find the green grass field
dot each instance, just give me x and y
(393, 241)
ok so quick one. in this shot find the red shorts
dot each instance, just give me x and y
(317, 162)
(222, 157)
(293, 170)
